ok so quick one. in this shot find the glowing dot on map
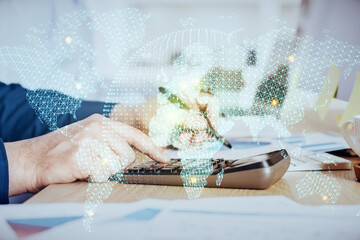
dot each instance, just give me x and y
(68, 40)
(183, 85)
(172, 117)
(90, 213)
(196, 82)
(78, 86)
(291, 58)
(105, 161)
(274, 102)
(193, 180)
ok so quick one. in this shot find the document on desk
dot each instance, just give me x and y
(310, 151)
(307, 151)
(267, 217)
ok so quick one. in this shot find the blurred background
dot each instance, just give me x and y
(309, 17)
(248, 18)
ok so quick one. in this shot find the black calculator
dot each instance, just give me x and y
(255, 172)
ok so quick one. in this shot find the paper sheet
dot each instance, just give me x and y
(268, 217)
(328, 91)
(353, 107)
(316, 142)
(299, 147)
(242, 147)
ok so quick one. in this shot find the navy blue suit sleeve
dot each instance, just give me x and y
(19, 121)
(4, 175)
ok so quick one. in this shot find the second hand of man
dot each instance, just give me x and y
(180, 104)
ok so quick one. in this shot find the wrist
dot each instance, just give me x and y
(21, 169)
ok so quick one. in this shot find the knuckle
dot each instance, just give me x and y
(81, 135)
(76, 148)
(96, 117)
(95, 125)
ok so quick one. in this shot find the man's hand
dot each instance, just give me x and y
(185, 128)
(95, 147)
(204, 111)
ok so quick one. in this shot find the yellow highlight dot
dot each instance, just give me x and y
(339, 118)
(193, 180)
(291, 58)
(274, 102)
(172, 118)
(325, 198)
(78, 86)
(183, 85)
(105, 161)
(90, 213)
(68, 40)
(196, 82)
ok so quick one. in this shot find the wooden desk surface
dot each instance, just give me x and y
(339, 187)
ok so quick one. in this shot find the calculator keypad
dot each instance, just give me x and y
(173, 168)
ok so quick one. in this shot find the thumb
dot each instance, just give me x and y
(211, 105)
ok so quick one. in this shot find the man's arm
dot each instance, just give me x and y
(4, 174)
(18, 121)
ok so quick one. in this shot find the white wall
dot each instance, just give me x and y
(341, 20)
(17, 16)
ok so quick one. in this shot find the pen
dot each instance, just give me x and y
(180, 104)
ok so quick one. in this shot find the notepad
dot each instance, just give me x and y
(307, 152)
(310, 151)
(353, 106)
(265, 217)
(328, 91)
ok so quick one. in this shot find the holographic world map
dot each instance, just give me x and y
(265, 81)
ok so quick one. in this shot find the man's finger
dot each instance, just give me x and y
(97, 160)
(203, 99)
(212, 106)
(188, 100)
(140, 141)
(123, 150)
(213, 113)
